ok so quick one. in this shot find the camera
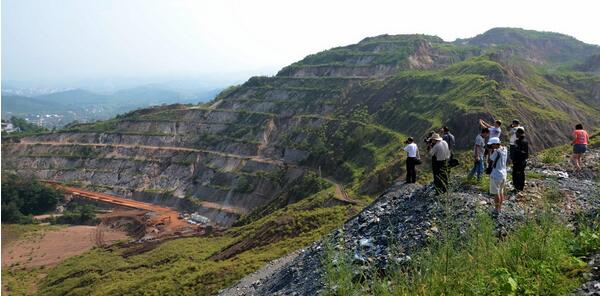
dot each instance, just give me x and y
(427, 139)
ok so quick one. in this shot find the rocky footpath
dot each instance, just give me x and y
(406, 216)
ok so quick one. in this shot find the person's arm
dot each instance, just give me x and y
(453, 141)
(477, 148)
(587, 138)
(574, 135)
(433, 150)
(484, 124)
(525, 149)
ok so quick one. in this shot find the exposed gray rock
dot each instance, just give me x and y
(407, 216)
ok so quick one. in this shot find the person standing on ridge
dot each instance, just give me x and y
(449, 138)
(495, 130)
(412, 154)
(440, 154)
(519, 155)
(478, 154)
(498, 173)
(513, 136)
(580, 142)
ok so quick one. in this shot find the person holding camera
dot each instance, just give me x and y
(440, 154)
(495, 129)
(412, 159)
(497, 171)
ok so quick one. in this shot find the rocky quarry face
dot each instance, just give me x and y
(343, 112)
(408, 216)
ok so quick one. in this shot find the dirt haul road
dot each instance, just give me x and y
(164, 216)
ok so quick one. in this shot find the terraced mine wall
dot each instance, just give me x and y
(342, 113)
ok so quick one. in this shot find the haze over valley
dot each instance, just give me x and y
(320, 148)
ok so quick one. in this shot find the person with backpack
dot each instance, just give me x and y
(519, 155)
(412, 159)
(497, 171)
(580, 142)
(440, 154)
(479, 154)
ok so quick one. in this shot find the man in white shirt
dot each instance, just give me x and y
(495, 130)
(498, 175)
(440, 154)
(412, 154)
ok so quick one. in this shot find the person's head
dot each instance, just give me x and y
(498, 123)
(515, 122)
(579, 126)
(520, 132)
(409, 140)
(446, 129)
(494, 142)
(435, 138)
(485, 132)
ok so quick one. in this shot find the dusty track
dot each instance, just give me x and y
(167, 217)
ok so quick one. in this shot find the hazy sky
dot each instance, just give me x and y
(45, 40)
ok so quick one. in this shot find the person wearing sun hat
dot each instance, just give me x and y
(498, 173)
(440, 153)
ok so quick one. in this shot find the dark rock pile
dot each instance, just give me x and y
(407, 216)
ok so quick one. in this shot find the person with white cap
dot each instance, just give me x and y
(440, 154)
(498, 171)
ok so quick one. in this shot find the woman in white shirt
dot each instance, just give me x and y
(498, 174)
(412, 154)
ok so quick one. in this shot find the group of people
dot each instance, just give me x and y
(489, 156)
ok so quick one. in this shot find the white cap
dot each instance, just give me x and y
(494, 140)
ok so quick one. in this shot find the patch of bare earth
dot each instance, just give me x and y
(53, 247)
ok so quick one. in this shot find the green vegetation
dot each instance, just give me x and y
(553, 155)
(538, 258)
(22, 198)
(26, 127)
(185, 267)
(21, 282)
(78, 215)
(352, 129)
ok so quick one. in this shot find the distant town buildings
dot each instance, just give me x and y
(8, 127)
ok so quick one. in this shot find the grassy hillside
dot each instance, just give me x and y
(343, 113)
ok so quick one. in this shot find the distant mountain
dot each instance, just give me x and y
(285, 159)
(60, 108)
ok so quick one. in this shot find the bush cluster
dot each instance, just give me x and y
(23, 197)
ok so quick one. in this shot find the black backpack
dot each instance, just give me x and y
(490, 168)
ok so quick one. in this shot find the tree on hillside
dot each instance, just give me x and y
(24, 196)
(25, 126)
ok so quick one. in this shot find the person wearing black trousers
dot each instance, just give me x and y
(519, 159)
(412, 154)
(440, 154)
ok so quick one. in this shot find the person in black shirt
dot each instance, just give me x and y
(519, 159)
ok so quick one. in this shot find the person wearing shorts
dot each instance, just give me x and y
(580, 142)
(498, 174)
